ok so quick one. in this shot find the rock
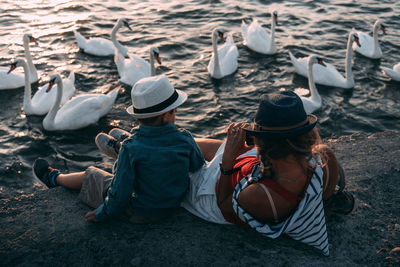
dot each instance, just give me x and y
(395, 252)
(48, 227)
(136, 261)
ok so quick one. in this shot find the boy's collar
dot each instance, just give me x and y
(157, 130)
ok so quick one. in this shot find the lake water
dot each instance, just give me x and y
(181, 30)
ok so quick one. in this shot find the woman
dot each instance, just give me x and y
(275, 186)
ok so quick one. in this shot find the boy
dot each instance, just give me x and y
(153, 164)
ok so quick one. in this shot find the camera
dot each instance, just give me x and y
(249, 139)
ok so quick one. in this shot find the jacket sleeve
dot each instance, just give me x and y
(121, 189)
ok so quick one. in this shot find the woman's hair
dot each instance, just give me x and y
(301, 146)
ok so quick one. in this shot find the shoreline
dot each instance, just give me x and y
(48, 227)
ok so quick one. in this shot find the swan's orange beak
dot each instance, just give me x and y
(383, 29)
(321, 62)
(12, 67)
(51, 84)
(221, 36)
(157, 57)
(357, 40)
(33, 40)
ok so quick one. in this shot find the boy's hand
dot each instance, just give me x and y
(89, 217)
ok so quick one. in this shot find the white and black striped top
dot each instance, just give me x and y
(306, 224)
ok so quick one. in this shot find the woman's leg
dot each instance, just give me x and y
(71, 180)
(208, 147)
(331, 172)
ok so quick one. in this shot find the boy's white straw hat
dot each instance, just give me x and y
(153, 96)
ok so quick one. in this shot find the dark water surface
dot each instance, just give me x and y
(181, 30)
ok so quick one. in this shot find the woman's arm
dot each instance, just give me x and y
(235, 146)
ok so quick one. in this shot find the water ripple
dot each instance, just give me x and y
(183, 34)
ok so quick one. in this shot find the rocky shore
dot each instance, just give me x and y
(48, 227)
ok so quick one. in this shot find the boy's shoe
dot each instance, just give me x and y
(341, 202)
(45, 173)
(119, 134)
(107, 144)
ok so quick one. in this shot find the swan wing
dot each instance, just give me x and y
(139, 62)
(42, 101)
(367, 44)
(132, 69)
(81, 111)
(12, 80)
(111, 97)
(328, 75)
(69, 87)
(395, 75)
(300, 65)
(210, 66)
(258, 38)
(75, 102)
(100, 47)
(396, 67)
(228, 54)
(244, 28)
(80, 40)
(228, 48)
(95, 46)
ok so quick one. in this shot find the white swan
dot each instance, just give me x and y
(370, 45)
(100, 46)
(134, 68)
(41, 102)
(224, 59)
(392, 73)
(329, 75)
(80, 111)
(256, 37)
(314, 101)
(16, 80)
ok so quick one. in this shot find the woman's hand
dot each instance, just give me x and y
(235, 144)
(90, 216)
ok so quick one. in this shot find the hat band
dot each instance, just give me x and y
(166, 103)
(263, 128)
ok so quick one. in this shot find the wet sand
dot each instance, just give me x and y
(48, 227)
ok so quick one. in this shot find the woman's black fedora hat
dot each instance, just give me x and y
(281, 115)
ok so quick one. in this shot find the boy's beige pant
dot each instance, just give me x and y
(94, 190)
(94, 187)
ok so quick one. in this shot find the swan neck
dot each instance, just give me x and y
(28, 89)
(272, 35)
(114, 40)
(54, 109)
(152, 68)
(349, 58)
(375, 37)
(217, 68)
(28, 57)
(313, 89)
